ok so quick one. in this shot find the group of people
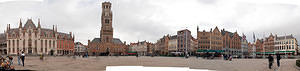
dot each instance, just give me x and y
(7, 62)
(271, 60)
(227, 57)
(22, 58)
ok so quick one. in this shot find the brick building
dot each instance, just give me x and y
(211, 40)
(231, 42)
(161, 45)
(269, 44)
(106, 44)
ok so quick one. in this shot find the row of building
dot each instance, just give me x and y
(35, 40)
(216, 41)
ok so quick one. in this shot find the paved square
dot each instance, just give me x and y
(99, 63)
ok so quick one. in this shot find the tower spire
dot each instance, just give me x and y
(39, 25)
(197, 28)
(20, 26)
(55, 28)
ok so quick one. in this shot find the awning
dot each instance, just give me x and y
(265, 52)
(131, 52)
(199, 50)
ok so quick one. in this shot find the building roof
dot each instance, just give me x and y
(173, 37)
(29, 23)
(223, 32)
(284, 37)
(64, 35)
(115, 40)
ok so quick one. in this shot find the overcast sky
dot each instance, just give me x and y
(149, 20)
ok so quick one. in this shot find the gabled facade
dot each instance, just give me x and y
(37, 40)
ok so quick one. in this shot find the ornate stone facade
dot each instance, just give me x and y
(36, 40)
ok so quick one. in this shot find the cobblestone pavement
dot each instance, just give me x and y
(100, 63)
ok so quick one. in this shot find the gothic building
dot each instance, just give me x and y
(34, 40)
(106, 44)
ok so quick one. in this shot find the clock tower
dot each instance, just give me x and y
(106, 33)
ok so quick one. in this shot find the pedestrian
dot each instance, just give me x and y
(19, 59)
(10, 59)
(278, 59)
(230, 57)
(23, 58)
(271, 60)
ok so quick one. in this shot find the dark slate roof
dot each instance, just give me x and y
(62, 35)
(16, 30)
(96, 40)
(115, 40)
(173, 37)
(283, 37)
(29, 23)
(229, 33)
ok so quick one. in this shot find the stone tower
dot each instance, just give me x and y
(106, 32)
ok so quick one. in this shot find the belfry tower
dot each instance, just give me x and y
(106, 33)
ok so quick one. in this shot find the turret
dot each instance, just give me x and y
(20, 25)
(39, 24)
(8, 26)
(55, 28)
(197, 28)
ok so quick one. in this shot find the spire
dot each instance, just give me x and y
(73, 37)
(20, 26)
(55, 28)
(39, 25)
(197, 28)
(7, 27)
(253, 37)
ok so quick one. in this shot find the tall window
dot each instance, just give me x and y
(42, 46)
(17, 45)
(23, 45)
(29, 42)
(53, 44)
(46, 46)
(50, 44)
(13, 46)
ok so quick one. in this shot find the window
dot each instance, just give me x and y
(106, 21)
(42, 45)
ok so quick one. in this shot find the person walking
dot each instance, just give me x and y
(278, 59)
(271, 60)
(19, 59)
(23, 58)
